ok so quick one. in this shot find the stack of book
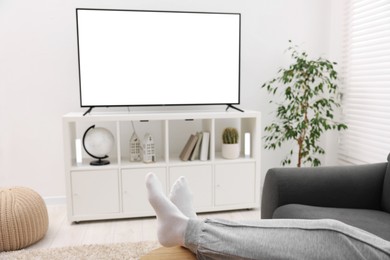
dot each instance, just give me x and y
(197, 147)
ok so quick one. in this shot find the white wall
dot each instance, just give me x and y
(39, 80)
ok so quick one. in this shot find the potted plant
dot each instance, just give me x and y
(230, 143)
(310, 96)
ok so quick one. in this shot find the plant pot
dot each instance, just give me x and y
(230, 151)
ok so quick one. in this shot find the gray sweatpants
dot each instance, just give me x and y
(282, 239)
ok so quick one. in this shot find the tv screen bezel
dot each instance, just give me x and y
(162, 104)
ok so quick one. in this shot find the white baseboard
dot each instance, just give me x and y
(55, 200)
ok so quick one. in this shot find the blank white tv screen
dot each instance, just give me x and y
(140, 58)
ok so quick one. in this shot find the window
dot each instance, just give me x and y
(366, 82)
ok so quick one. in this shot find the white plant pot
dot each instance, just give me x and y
(230, 151)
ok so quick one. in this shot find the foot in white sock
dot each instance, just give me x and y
(171, 222)
(182, 197)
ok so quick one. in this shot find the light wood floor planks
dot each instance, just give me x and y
(61, 233)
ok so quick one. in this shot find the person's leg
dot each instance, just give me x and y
(171, 222)
(182, 197)
(263, 239)
(282, 239)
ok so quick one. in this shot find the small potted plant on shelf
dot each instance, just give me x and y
(230, 143)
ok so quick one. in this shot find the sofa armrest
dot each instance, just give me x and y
(357, 186)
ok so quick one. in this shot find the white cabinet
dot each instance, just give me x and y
(235, 184)
(118, 190)
(200, 180)
(135, 199)
(95, 192)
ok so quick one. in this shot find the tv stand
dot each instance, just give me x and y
(236, 108)
(88, 111)
(117, 190)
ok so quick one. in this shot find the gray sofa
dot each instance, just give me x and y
(356, 195)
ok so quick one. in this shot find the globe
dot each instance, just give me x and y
(98, 142)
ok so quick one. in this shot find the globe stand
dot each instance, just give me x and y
(99, 161)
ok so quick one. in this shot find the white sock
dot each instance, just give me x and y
(171, 222)
(182, 197)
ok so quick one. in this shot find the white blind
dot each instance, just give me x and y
(366, 82)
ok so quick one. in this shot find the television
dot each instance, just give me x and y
(158, 58)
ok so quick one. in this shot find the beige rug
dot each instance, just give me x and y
(119, 251)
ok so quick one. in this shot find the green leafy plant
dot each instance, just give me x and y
(310, 96)
(230, 136)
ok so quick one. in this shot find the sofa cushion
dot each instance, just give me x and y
(373, 221)
(386, 188)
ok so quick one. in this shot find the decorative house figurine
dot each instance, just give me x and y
(148, 149)
(135, 148)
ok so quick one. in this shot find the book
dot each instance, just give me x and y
(188, 148)
(195, 152)
(204, 148)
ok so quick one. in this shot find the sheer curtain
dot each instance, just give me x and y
(366, 82)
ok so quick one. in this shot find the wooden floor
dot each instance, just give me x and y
(61, 233)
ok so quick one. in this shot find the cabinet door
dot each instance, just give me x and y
(95, 192)
(235, 184)
(200, 179)
(135, 198)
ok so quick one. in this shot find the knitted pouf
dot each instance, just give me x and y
(23, 218)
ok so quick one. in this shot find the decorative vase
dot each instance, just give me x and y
(230, 151)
